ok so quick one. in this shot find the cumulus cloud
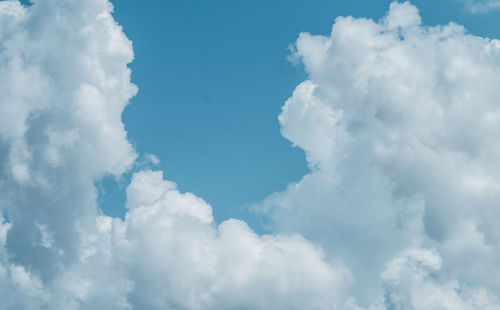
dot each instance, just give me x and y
(64, 83)
(409, 284)
(399, 123)
(189, 263)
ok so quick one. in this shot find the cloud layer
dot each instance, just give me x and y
(398, 122)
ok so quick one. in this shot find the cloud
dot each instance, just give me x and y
(167, 253)
(481, 6)
(189, 263)
(409, 284)
(64, 83)
(399, 123)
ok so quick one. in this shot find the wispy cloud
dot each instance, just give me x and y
(481, 6)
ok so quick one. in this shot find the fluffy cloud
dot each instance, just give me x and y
(410, 284)
(399, 123)
(64, 83)
(168, 254)
(189, 263)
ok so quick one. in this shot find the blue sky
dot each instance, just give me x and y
(212, 78)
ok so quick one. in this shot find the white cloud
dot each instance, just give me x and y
(168, 253)
(481, 6)
(151, 158)
(410, 284)
(64, 83)
(177, 258)
(399, 123)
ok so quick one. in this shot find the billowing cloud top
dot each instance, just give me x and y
(398, 122)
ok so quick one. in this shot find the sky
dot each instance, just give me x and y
(213, 77)
(249, 155)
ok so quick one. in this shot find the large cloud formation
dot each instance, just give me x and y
(398, 122)
(64, 83)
